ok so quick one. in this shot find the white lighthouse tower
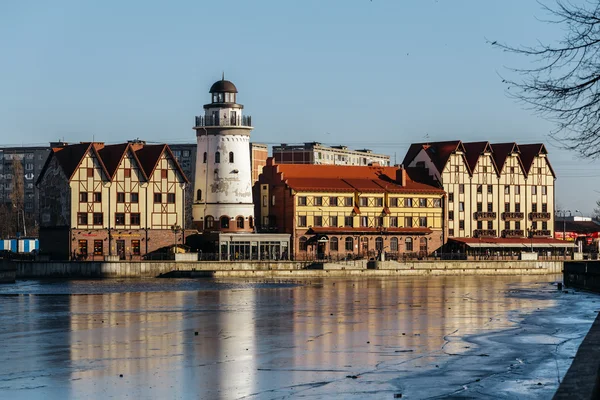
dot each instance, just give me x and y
(223, 184)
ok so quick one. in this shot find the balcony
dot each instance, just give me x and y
(539, 216)
(512, 216)
(481, 233)
(541, 233)
(484, 216)
(210, 121)
(512, 233)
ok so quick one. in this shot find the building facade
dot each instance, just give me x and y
(97, 200)
(317, 153)
(349, 211)
(501, 190)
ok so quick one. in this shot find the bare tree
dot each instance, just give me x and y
(17, 196)
(564, 84)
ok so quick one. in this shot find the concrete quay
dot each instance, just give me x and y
(286, 269)
(8, 272)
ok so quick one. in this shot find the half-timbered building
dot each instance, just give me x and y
(123, 200)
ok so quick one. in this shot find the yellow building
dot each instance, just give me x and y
(357, 211)
(99, 200)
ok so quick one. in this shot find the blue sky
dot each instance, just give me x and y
(378, 74)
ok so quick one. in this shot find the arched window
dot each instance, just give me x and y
(349, 244)
(302, 244)
(224, 222)
(231, 156)
(408, 244)
(209, 222)
(240, 222)
(199, 194)
(217, 157)
(204, 158)
(423, 245)
(394, 244)
(333, 244)
(379, 243)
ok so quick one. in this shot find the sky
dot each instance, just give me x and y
(379, 74)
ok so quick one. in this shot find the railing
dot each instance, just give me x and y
(484, 233)
(512, 233)
(539, 216)
(512, 216)
(541, 232)
(484, 216)
(209, 120)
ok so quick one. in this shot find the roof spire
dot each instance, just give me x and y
(223, 76)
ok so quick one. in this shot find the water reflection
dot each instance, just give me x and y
(261, 342)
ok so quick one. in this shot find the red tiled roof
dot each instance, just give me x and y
(351, 230)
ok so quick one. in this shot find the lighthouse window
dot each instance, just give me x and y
(225, 222)
(214, 97)
(210, 221)
(204, 158)
(219, 97)
(231, 156)
(217, 157)
(198, 194)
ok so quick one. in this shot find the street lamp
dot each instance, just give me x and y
(530, 231)
(564, 216)
(175, 228)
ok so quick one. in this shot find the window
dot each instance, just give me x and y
(333, 244)
(378, 202)
(507, 225)
(231, 156)
(423, 222)
(363, 201)
(349, 221)
(461, 188)
(134, 219)
(83, 250)
(490, 224)
(394, 244)
(127, 172)
(450, 215)
(98, 247)
(394, 202)
(224, 220)
(210, 222)
(450, 232)
(456, 168)
(364, 221)
(333, 201)
(533, 207)
(348, 201)
(119, 218)
(302, 244)
(422, 202)
(379, 221)
(506, 189)
(544, 190)
(135, 247)
(134, 197)
(408, 243)
(301, 200)
(318, 220)
(450, 197)
(164, 173)
(490, 207)
(512, 170)
(408, 203)
(157, 198)
(186, 153)
(534, 225)
(517, 189)
(97, 197)
(518, 225)
(517, 207)
(461, 224)
(302, 220)
(199, 194)
(506, 207)
(204, 158)
(490, 189)
(240, 222)
(217, 157)
(461, 206)
(264, 200)
(479, 188)
(98, 218)
(408, 222)
(82, 218)
(394, 222)
(318, 201)
(479, 206)
(485, 170)
(379, 243)
(28, 167)
(479, 224)
(83, 197)
(251, 222)
(544, 225)
(90, 172)
(171, 198)
(534, 190)
(120, 197)
(349, 244)
(333, 221)
(544, 207)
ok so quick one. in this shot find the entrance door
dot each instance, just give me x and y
(321, 248)
(364, 245)
(121, 249)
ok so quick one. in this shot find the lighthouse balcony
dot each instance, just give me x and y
(244, 120)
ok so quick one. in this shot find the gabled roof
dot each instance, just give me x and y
(473, 152)
(528, 154)
(149, 155)
(70, 157)
(501, 152)
(438, 152)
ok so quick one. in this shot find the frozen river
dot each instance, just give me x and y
(439, 337)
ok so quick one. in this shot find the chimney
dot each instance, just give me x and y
(401, 176)
(270, 161)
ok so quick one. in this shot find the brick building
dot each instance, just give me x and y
(356, 211)
(101, 200)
